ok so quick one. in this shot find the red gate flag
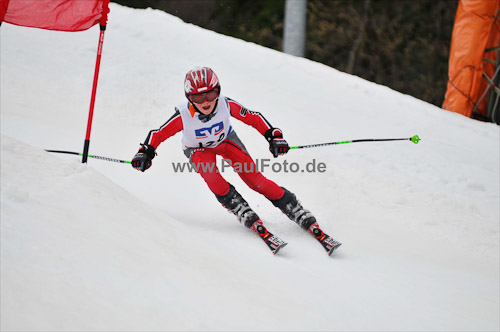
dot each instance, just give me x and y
(62, 15)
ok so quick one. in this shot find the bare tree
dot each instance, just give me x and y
(359, 39)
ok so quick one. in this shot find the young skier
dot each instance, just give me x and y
(205, 121)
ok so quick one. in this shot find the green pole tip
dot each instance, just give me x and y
(415, 139)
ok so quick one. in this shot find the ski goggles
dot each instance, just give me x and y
(201, 97)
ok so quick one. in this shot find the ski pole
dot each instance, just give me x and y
(415, 139)
(92, 156)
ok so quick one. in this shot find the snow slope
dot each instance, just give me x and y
(101, 246)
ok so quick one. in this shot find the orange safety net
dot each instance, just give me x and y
(476, 29)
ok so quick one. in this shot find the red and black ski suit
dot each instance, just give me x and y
(225, 143)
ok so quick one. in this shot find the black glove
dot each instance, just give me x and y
(142, 159)
(277, 145)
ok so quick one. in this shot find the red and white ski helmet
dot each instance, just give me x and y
(200, 80)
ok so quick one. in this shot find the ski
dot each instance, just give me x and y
(328, 242)
(273, 242)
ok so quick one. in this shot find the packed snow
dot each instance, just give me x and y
(101, 246)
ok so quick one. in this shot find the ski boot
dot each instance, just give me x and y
(292, 208)
(237, 205)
